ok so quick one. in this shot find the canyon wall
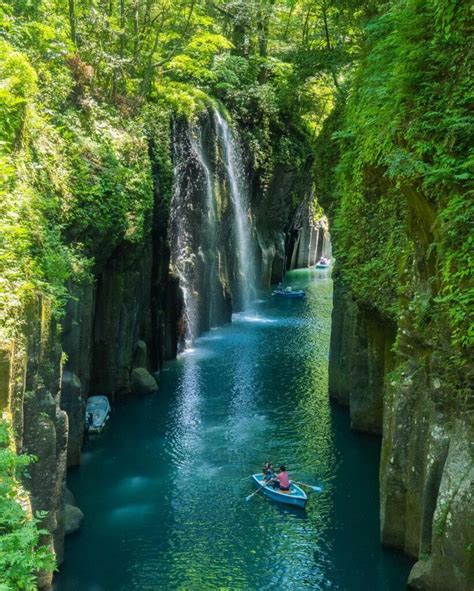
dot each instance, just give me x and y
(427, 462)
(403, 379)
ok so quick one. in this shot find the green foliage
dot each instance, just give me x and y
(403, 196)
(21, 555)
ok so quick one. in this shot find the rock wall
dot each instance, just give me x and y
(427, 462)
(308, 237)
(203, 251)
(31, 376)
(280, 228)
(117, 327)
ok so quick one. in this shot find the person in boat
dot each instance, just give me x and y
(281, 480)
(288, 289)
(90, 419)
(268, 472)
(280, 286)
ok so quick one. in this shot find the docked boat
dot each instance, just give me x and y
(295, 496)
(97, 413)
(289, 293)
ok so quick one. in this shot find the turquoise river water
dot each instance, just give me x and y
(163, 487)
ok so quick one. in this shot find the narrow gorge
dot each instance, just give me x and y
(163, 168)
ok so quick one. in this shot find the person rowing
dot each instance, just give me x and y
(281, 480)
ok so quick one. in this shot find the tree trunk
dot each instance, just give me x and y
(72, 21)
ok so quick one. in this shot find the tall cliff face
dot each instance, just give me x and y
(427, 462)
(31, 379)
(120, 314)
(401, 348)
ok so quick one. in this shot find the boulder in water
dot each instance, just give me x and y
(142, 382)
(73, 518)
(140, 354)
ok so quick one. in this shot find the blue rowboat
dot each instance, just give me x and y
(322, 265)
(295, 496)
(285, 293)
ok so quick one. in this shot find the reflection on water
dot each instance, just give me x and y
(164, 488)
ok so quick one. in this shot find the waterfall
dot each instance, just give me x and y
(234, 169)
(183, 257)
(198, 149)
(215, 274)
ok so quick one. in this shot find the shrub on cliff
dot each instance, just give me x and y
(404, 190)
(21, 553)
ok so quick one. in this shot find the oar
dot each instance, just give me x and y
(313, 488)
(256, 491)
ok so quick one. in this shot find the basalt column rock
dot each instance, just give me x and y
(274, 214)
(308, 237)
(360, 358)
(122, 303)
(31, 371)
(344, 317)
(76, 341)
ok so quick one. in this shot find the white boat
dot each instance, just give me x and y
(323, 263)
(97, 413)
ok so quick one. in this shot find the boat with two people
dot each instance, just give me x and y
(323, 263)
(288, 292)
(97, 413)
(295, 495)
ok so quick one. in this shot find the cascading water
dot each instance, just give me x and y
(234, 169)
(213, 271)
(182, 256)
(198, 148)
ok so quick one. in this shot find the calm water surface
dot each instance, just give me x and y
(163, 488)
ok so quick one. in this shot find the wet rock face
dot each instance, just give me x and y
(285, 237)
(360, 359)
(427, 461)
(142, 382)
(204, 255)
(73, 518)
(31, 376)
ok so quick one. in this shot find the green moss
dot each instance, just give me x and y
(399, 190)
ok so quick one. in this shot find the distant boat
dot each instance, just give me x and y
(323, 263)
(289, 293)
(295, 496)
(97, 413)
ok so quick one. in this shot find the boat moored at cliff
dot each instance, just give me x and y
(97, 413)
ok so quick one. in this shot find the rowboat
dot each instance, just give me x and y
(97, 413)
(322, 264)
(295, 496)
(289, 293)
